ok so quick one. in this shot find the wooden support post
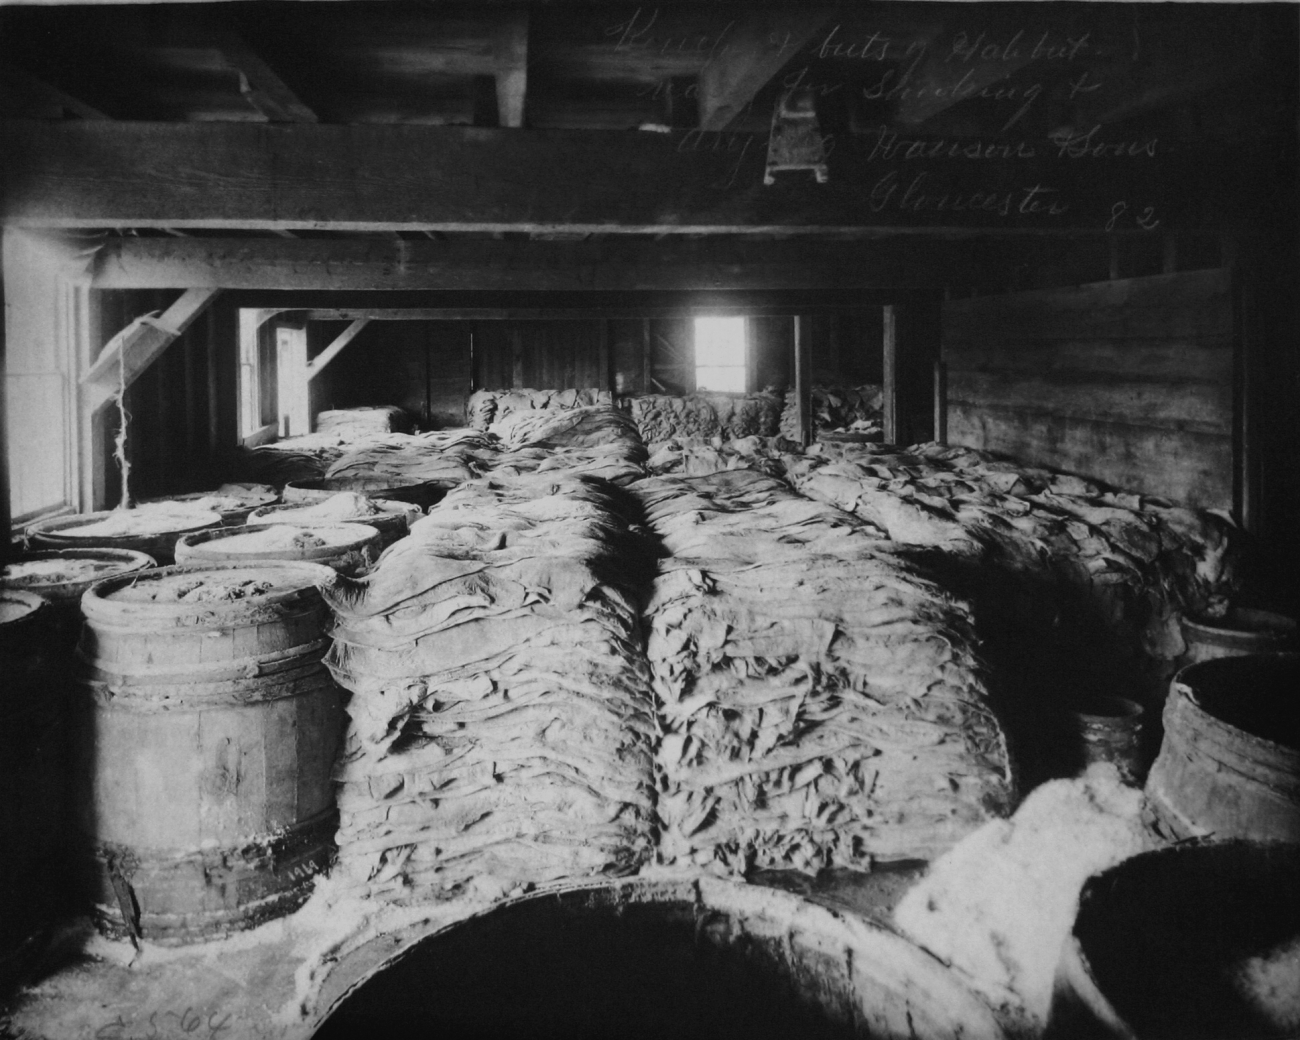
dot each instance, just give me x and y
(606, 369)
(214, 394)
(510, 52)
(5, 518)
(317, 364)
(802, 380)
(647, 358)
(891, 397)
(516, 358)
(941, 402)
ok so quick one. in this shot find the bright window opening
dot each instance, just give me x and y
(720, 355)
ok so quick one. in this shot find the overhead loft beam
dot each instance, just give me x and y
(616, 264)
(317, 364)
(29, 90)
(141, 343)
(260, 84)
(510, 52)
(425, 178)
(756, 47)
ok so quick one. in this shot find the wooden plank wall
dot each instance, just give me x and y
(181, 411)
(420, 366)
(1129, 381)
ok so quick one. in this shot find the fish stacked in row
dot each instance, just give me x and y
(819, 699)
(597, 441)
(485, 407)
(444, 455)
(660, 417)
(849, 409)
(1110, 566)
(501, 720)
(294, 458)
(385, 418)
(691, 457)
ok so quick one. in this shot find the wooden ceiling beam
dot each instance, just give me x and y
(615, 265)
(754, 49)
(510, 50)
(260, 84)
(256, 176)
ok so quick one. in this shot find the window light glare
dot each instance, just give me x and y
(720, 354)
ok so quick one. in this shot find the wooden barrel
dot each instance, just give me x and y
(204, 738)
(1229, 764)
(1240, 631)
(70, 532)
(32, 777)
(1108, 729)
(423, 493)
(61, 576)
(232, 501)
(350, 549)
(1197, 942)
(393, 521)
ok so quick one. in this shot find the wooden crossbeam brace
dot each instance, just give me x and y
(141, 343)
(24, 82)
(510, 51)
(261, 86)
(754, 50)
(317, 364)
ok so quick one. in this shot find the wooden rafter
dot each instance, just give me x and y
(618, 264)
(22, 84)
(141, 343)
(510, 51)
(317, 364)
(80, 174)
(756, 48)
(260, 84)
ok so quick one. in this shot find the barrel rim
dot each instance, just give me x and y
(33, 601)
(366, 533)
(388, 518)
(96, 606)
(1181, 694)
(126, 556)
(56, 527)
(1215, 629)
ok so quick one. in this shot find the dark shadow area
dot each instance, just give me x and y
(550, 969)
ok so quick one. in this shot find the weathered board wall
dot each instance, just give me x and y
(181, 411)
(1128, 381)
(420, 366)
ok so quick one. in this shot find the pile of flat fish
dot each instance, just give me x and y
(836, 409)
(595, 441)
(386, 418)
(819, 700)
(501, 719)
(661, 417)
(1079, 554)
(692, 457)
(443, 455)
(294, 458)
(485, 407)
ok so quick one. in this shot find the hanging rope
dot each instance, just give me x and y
(119, 453)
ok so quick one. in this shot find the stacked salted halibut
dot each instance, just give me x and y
(404, 458)
(595, 441)
(820, 704)
(502, 724)
(1132, 562)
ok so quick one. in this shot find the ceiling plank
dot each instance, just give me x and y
(317, 364)
(755, 48)
(260, 84)
(510, 50)
(20, 82)
(258, 176)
